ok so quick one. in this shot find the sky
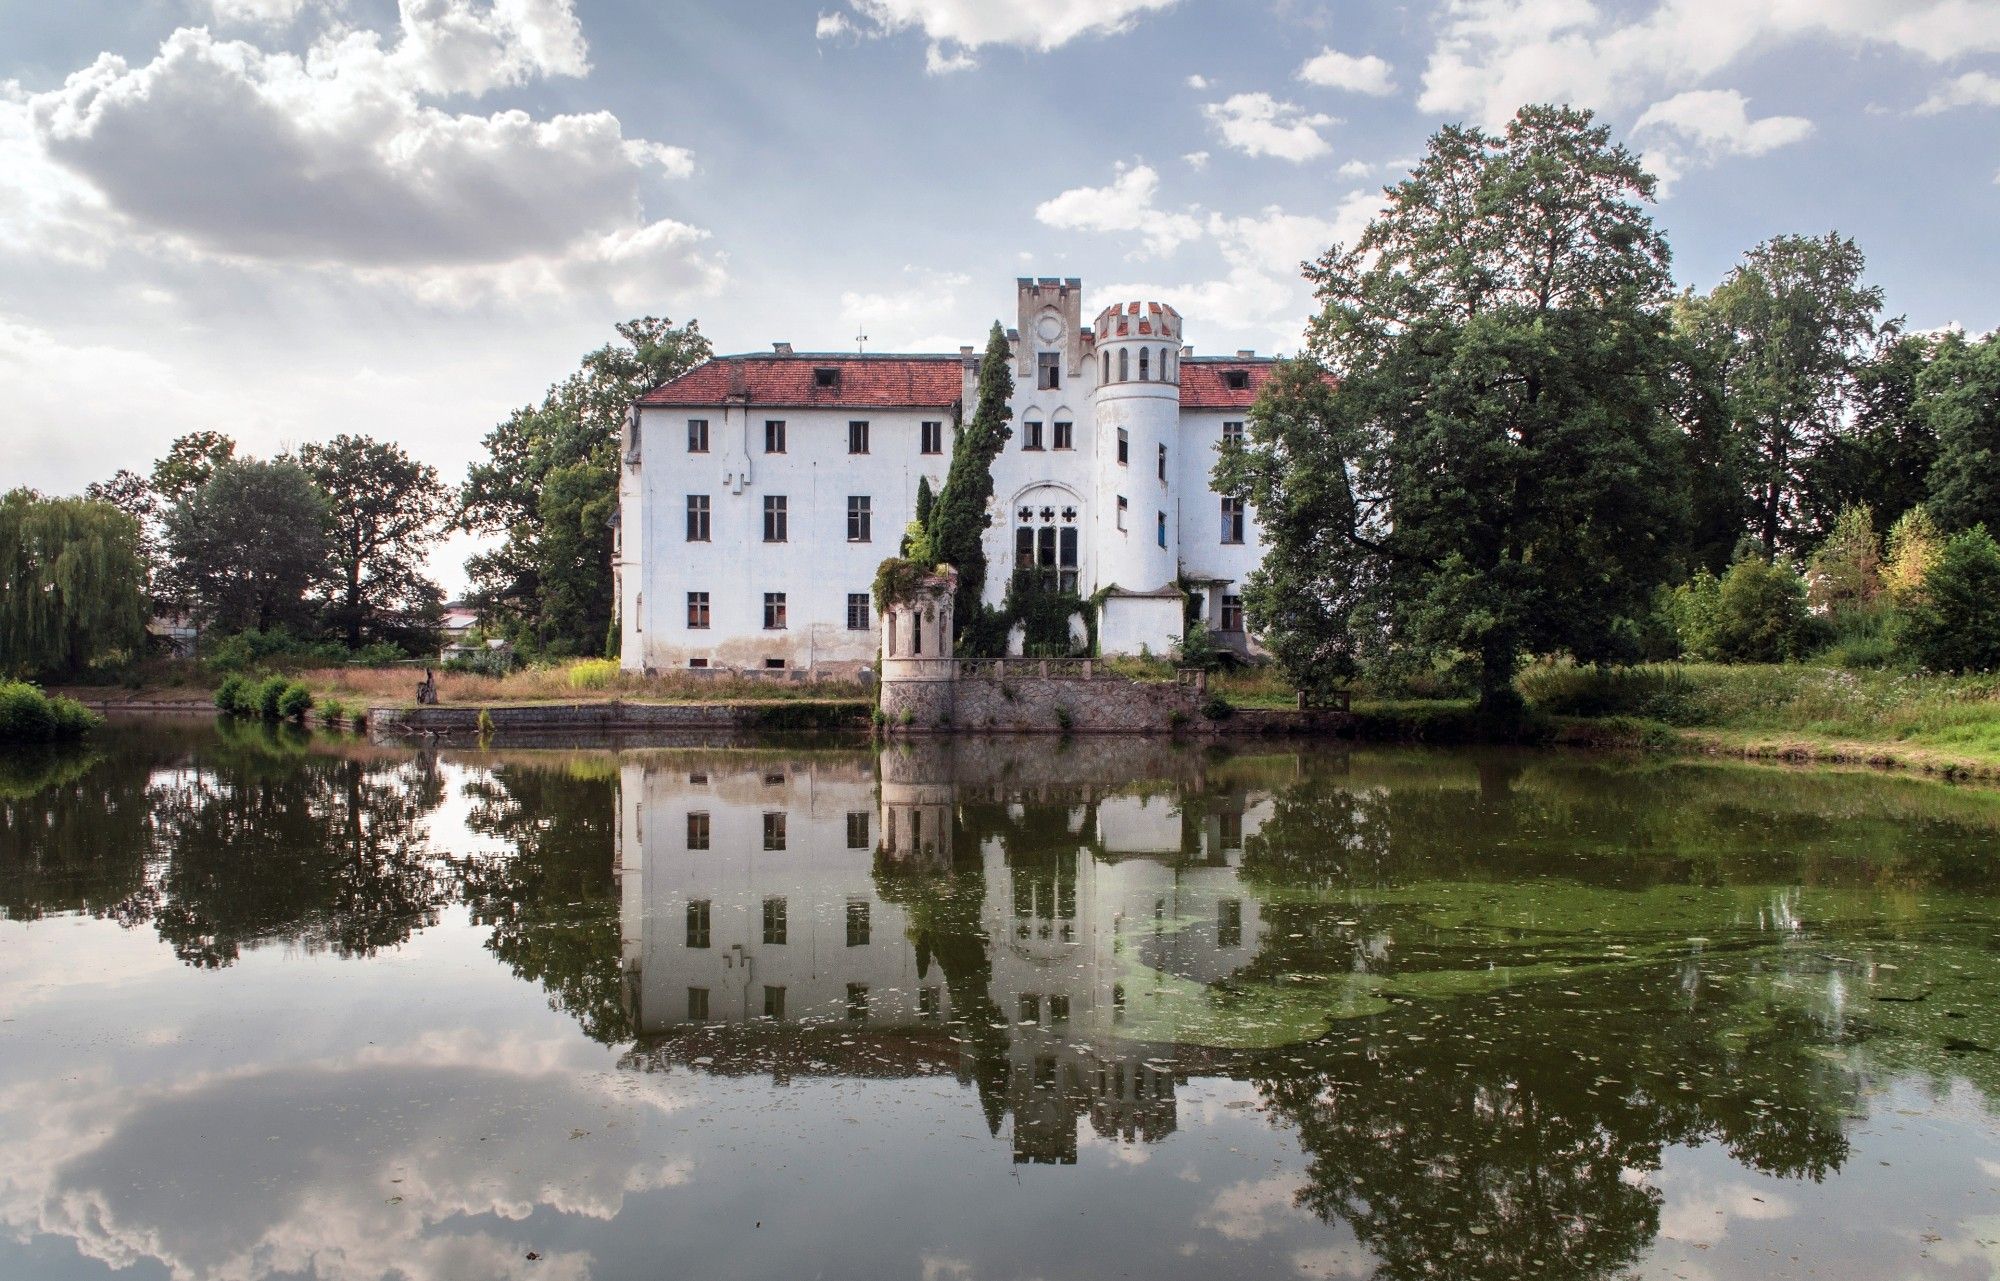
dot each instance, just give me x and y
(287, 219)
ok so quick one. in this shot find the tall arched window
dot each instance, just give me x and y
(1124, 368)
(892, 635)
(1107, 366)
(1166, 364)
(1145, 353)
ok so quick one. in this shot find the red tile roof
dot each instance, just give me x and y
(864, 382)
(1205, 385)
(902, 382)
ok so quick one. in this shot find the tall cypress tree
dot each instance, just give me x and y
(958, 516)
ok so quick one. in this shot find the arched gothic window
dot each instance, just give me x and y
(1124, 368)
(1107, 366)
(1145, 354)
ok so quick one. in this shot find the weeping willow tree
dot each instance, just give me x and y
(72, 585)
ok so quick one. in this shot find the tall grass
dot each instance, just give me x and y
(362, 686)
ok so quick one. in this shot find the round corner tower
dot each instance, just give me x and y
(919, 674)
(1137, 408)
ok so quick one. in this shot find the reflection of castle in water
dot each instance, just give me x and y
(994, 912)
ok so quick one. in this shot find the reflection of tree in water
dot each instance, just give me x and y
(74, 830)
(552, 901)
(264, 841)
(1499, 1136)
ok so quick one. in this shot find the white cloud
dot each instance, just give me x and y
(1491, 56)
(334, 159)
(940, 62)
(1355, 169)
(1197, 81)
(1704, 125)
(908, 319)
(267, 13)
(1259, 125)
(1973, 89)
(955, 28)
(831, 25)
(1333, 69)
(1125, 205)
(1196, 159)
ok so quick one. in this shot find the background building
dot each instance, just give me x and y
(761, 491)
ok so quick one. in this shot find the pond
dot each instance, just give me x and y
(274, 1005)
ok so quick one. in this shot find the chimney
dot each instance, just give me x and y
(1246, 355)
(782, 348)
(1187, 350)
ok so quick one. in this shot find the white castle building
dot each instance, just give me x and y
(760, 492)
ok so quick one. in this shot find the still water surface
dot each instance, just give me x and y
(273, 1006)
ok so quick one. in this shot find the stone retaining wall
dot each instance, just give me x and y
(542, 719)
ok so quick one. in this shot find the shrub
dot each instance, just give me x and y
(593, 673)
(1760, 613)
(332, 712)
(1915, 544)
(1216, 708)
(484, 662)
(1954, 625)
(1845, 574)
(277, 646)
(233, 695)
(27, 715)
(294, 702)
(267, 695)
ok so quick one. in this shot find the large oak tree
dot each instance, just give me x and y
(1491, 474)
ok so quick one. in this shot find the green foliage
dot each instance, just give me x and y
(244, 547)
(27, 715)
(1492, 475)
(72, 585)
(1760, 615)
(957, 524)
(188, 464)
(232, 696)
(1961, 402)
(484, 662)
(1884, 456)
(1784, 337)
(268, 695)
(1217, 708)
(549, 486)
(593, 673)
(1043, 612)
(1845, 575)
(278, 647)
(1955, 625)
(898, 581)
(332, 712)
(387, 511)
(294, 702)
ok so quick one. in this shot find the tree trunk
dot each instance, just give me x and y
(1500, 703)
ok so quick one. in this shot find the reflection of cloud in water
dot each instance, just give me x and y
(344, 1172)
(1254, 1208)
(1700, 1209)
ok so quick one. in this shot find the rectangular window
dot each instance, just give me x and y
(775, 664)
(1066, 573)
(1231, 831)
(1229, 923)
(1232, 613)
(857, 922)
(857, 829)
(1122, 507)
(698, 830)
(774, 830)
(1163, 462)
(697, 435)
(1162, 534)
(1024, 547)
(697, 663)
(698, 610)
(697, 528)
(857, 437)
(930, 438)
(774, 922)
(697, 1005)
(857, 611)
(1065, 436)
(928, 1005)
(697, 922)
(774, 435)
(1232, 520)
(1124, 447)
(774, 1002)
(1031, 435)
(857, 1002)
(1232, 433)
(774, 617)
(860, 519)
(777, 518)
(1058, 1009)
(1048, 370)
(1117, 1002)
(1030, 1008)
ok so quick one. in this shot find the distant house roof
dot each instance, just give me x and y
(924, 381)
(844, 381)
